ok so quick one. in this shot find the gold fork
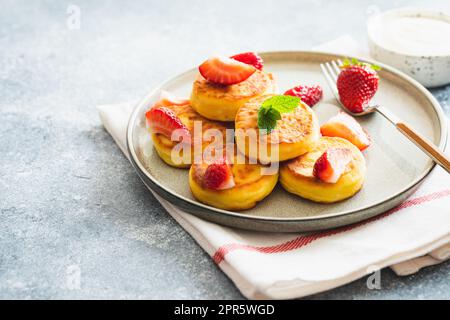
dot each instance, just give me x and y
(331, 71)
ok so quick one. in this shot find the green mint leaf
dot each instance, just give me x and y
(281, 103)
(270, 111)
(267, 119)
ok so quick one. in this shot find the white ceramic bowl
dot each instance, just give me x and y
(423, 54)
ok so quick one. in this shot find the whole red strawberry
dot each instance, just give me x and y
(309, 94)
(357, 83)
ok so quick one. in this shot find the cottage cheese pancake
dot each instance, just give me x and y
(221, 102)
(164, 145)
(297, 177)
(295, 133)
(249, 185)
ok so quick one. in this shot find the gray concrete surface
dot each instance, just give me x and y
(70, 202)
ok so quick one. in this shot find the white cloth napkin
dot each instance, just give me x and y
(281, 266)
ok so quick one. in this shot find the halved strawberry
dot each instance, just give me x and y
(164, 121)
(345, 126)
(218, 176)
(331, 164)
(309, 94)
(251, 58)
(168, 99)
(225, 71)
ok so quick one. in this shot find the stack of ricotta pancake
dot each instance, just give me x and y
(322, 164)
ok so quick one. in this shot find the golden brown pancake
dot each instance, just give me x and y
(219, 102)
(295, 133)
(251, 186)
(188, 116)
(296, 175)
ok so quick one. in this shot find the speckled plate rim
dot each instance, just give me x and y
(139, 166)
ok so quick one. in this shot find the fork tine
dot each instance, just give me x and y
(336, 68)
(330, 81)
(339, 62)
(331, 72)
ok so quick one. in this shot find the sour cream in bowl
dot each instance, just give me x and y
(416, 41)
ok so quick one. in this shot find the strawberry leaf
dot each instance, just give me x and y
(346, 63)
(355, 62)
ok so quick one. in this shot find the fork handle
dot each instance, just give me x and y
(423, 143)
(419, 140)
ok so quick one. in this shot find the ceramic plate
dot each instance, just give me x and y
(395, 166)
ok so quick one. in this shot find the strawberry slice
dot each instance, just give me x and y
(345, 126)
(167, 99)
(251, 58)
(309, 94)
(218, 176)
(225, 71)
(331, 164)
(162, 120)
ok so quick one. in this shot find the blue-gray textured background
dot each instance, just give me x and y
(70, 202)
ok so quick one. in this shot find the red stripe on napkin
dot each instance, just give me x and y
(302, 241)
